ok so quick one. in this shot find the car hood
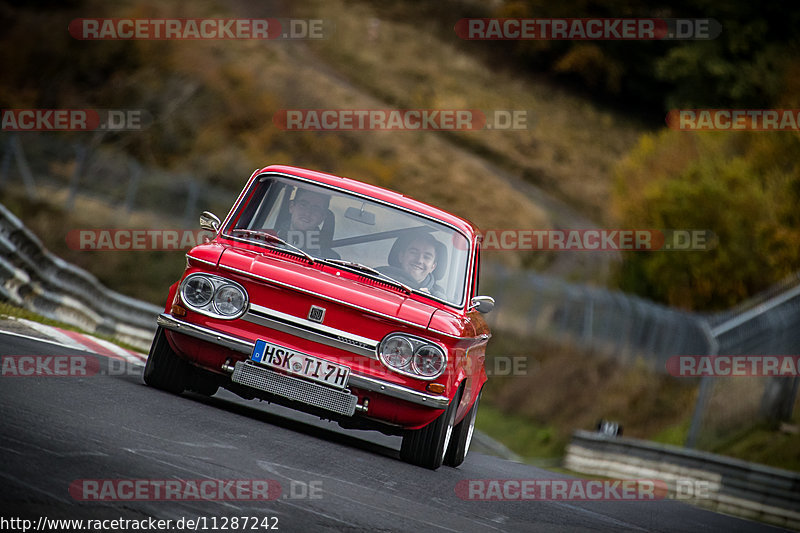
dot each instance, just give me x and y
(319, 281)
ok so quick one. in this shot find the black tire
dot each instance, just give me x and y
(462, 437)
(164, 369)
(426, 446)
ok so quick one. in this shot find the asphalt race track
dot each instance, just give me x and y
(109, 426)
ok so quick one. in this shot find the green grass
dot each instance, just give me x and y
(767, 446)
(10, 310)
(530, 441)
(675, 434)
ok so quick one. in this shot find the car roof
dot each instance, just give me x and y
(378, 193)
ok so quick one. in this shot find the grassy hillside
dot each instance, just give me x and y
(408, 63)
(213, 102)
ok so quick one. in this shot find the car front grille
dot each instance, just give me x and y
(252, 375)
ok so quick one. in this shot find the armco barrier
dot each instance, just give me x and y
(33, 278)
(728, 485)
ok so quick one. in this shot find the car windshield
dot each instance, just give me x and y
(378, 240)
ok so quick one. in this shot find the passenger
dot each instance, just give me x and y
(414, 263)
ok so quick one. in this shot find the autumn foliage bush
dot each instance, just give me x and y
(744, 187)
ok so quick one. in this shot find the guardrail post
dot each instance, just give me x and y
(704, 392)
(24, 169)
(133, 184)
(74, 181)
(5, 166)
(588, 321)
(777, 402)
(191, 203)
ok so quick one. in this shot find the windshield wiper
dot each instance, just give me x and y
(370, 270)
(269, 237)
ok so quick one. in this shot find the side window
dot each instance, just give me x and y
(476, 271)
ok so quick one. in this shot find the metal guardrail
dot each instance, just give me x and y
(33, 278)
(728, 485)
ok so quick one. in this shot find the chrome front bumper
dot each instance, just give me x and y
(356, 380)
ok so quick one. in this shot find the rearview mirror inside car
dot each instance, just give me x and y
(360, 215)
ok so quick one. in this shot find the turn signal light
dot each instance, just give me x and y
(177, 310)
(436, 388)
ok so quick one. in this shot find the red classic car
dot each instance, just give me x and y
(338, 298)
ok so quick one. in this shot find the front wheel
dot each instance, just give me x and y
(462, 437)
(164, 369)
(426, 447)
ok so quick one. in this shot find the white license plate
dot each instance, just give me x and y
(300, 364)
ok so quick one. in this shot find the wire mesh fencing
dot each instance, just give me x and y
(86, 167)
(612, 322)
(631, 328)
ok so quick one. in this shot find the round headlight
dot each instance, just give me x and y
(428, 361)
(198, 291)
(229, 300)
(397, 352)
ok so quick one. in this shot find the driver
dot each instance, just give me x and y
(308, 210)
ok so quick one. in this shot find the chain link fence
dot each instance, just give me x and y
(768, 324)
(631, 328)
(611, 322)
(84, 165)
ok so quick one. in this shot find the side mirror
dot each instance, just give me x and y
(210, 221)
(482, 304)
